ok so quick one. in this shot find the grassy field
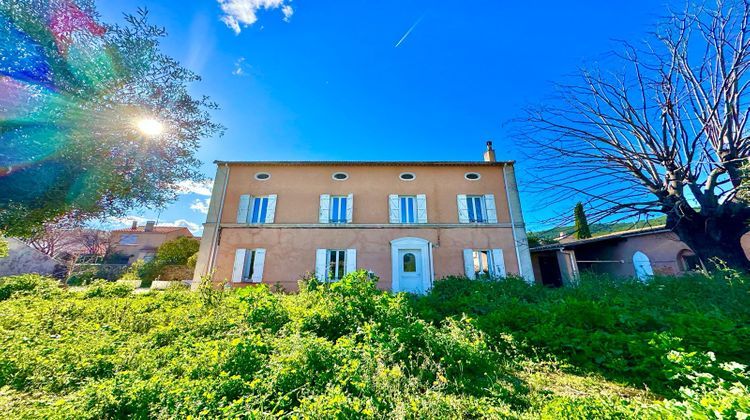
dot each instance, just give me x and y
(672, 348)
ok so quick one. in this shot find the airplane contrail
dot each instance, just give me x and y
(406, 35)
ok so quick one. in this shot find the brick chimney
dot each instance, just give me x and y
(489, 154)
(135, 225)
(149, 226)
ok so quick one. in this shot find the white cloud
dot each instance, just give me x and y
(192, 187)
(201, 206)
(195, 228)
(240, 67)
(288, 11)
(240, 14)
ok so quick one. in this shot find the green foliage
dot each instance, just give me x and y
(192, 261)
(25, 284)
(469, 349)
(3, 247)
(177, 251)
(581, 223)
(174, 252)
(96, 162)
(627, 331)
(133, 272)
(599, 229)
(107, 289)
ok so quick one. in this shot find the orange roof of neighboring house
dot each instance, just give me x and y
(156, 229)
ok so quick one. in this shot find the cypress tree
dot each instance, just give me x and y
(582, 225)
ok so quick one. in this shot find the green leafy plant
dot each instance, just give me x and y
(671, 348)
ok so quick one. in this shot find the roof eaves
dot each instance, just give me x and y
(364, 163)
(611, 236)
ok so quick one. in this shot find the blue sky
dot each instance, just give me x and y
(329, 80)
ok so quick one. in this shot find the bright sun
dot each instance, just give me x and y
(150, 126)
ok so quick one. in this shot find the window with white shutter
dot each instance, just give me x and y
(477, 208)
(256, 210)
(336, 208)
(407, 209)
(421, 208)
(484, 263)
(242, 209)
(394, 208)
(463, 209)
(334, 264)
(248, 265)
(490, 209)
(498, 263)
(325, 209)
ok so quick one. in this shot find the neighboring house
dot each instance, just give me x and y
(639, 253)
(141, 242)
(24, 259)
(409, 222)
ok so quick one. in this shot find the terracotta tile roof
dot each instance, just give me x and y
(157, 229)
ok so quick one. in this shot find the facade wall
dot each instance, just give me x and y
(663, 249)
(290, 253)
(299, 189)
(290, 242)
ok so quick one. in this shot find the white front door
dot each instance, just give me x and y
(410, 271)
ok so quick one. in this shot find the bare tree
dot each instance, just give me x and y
(95, 242)
(54, 237)
(665, 134)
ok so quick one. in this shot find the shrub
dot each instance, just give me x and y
(468, 349)
(82, 278)
(172, 253)
(28, 284)
(106, 289)
(192, 261)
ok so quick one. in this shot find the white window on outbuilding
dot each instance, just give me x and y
(642, 265)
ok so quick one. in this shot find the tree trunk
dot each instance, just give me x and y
(715, 237)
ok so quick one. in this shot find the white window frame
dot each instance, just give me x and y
(467, 205)
(406, 216)
(248, 265)
(246, 212)
(419, 209)
(495, 263)
(340, 205)
(129, 236)
(323, 263)
(471, 202)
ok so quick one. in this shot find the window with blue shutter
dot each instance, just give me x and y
(475, 205)
(338, 209)
(408, 211)
(259, 210)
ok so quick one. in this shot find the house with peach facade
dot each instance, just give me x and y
(408, 222)
(141, 242)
